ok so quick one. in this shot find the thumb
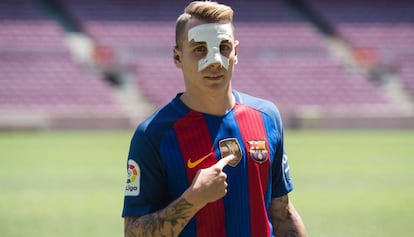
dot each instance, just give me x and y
(225, 161)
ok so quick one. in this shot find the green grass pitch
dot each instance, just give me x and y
(348, 183)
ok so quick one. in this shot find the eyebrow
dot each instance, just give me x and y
(193, 43)
(196, 43)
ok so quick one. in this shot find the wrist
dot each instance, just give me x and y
(191, 197)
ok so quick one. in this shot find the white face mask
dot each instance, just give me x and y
(212, 34)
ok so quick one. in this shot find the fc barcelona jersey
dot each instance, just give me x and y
(169, 148)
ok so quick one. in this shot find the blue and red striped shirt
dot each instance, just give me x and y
(169, 148)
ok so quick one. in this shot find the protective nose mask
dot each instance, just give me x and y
(212, 34)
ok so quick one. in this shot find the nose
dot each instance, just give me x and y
(215, 66)
(216, 60)
(212, 59)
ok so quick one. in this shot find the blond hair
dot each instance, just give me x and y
(207, 11)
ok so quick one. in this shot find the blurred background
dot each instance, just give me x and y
(77, 76)
(75, 64)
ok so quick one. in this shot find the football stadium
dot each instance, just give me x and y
(78, 76)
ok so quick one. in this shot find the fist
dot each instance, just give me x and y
(209, 184)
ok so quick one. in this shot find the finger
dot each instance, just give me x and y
(225, 161)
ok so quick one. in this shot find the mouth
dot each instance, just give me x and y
(214, 77)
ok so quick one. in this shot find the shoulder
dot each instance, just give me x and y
(165, 116)
(265, 106)
(268, 109)
(162, 120)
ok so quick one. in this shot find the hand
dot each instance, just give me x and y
(209, 184)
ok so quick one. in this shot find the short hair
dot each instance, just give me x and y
(207, 11)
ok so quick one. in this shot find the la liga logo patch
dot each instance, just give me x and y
(134, 179)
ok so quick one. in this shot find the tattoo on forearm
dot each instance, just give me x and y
(282, 215)
(167, 222)
(291, 233)
(279, 211)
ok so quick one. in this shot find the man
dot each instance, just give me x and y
(212, 161)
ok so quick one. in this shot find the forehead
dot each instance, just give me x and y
(216, 32)
(198, 29)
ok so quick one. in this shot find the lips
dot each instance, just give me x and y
(214, 77)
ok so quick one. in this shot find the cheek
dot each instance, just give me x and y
(190, 66)
(232, 62)
(232, 59)
(192, 58)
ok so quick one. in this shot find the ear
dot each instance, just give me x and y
(177, 57)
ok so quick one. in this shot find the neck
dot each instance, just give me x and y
(216, 103)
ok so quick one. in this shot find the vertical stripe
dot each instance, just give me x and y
(252, 128)
(195, 143)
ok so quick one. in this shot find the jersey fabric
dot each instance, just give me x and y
(169, 148)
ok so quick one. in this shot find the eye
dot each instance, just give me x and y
(225, 48)
(200, 49)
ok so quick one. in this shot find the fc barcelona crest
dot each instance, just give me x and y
(258, 151)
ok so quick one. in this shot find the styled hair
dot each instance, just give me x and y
(207, 11)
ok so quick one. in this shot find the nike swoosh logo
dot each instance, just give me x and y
(191, 164)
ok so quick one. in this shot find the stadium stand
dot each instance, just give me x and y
(406, 67)
(379, 36)
(41, 87)
(385, 28)
(282, 57)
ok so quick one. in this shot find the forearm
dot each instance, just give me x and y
(208, 186)
(287, 221)
(169, 221)
(291, 226)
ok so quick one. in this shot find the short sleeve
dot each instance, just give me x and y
(281, 180)
(146, 182)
